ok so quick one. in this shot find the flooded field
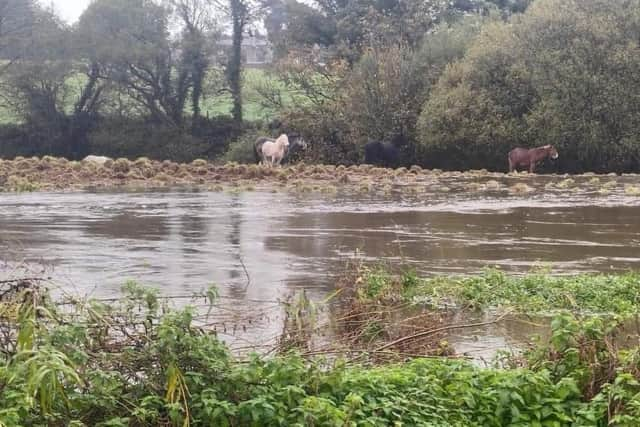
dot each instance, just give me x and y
(259, 246)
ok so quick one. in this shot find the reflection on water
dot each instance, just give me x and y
(184, 241)
(510, 335)
(181, 241)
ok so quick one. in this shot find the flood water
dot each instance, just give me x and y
(183, 241)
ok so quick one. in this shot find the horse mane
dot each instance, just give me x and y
(541, 148)
(282, 139)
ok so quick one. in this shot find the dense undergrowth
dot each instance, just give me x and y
(140, 363)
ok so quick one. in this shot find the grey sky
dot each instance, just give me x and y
(69, 10)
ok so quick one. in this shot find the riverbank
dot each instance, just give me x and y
(137, 361)
(58, 174)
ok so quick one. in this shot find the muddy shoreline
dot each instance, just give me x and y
(59, 174)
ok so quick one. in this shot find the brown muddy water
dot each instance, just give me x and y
(183, 241)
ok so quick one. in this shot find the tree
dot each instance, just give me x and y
(128, 42)
(198, 29)
(240, 14)
(292, 25)
(17, 19)
(384, 92)
(36, 85)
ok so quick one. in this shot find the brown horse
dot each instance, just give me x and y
(530, 157)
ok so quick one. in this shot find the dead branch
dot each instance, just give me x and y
(442, 329)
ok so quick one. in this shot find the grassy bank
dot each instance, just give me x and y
(137, 362)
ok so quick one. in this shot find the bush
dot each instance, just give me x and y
(242, 149)
(29, 140)
(132, 138)
(331, 139)
(124, 137)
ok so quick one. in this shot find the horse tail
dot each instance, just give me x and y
(257, 148)
(255, 153)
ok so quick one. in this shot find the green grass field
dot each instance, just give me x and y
(256, 82)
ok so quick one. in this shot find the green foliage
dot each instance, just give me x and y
(384, 92)
(18, 20)
(583, 349)
(170, 373)
(535, 292)
(128, 41)
(346, 30)
(562, 73)
(423, 392)
(48, 372)
(458, 83)
(242, 149)
(328, 131)
(379, 96)
(264, 95)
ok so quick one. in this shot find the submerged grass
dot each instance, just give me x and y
(49, 173)
(536, 292)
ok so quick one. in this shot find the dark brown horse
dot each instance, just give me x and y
(530, 157)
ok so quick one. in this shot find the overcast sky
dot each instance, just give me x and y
(69, 10)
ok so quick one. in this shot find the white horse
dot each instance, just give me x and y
(101, 160)
(296, 143)
(274, 151)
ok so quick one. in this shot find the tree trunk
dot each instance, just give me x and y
(199, 66)
(84, 114)
(196, 93)
(234, 67)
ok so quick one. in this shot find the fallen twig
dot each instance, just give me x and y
(374, 352)
(435, 331)
(29, 279)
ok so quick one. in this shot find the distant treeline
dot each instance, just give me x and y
(455, 85)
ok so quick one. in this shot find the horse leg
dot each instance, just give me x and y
(532, 167)
(510, 166)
